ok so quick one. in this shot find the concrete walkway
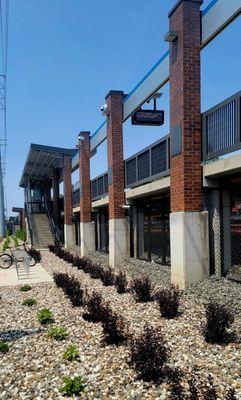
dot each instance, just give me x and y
(37, 274)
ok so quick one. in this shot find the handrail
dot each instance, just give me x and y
(54, 227)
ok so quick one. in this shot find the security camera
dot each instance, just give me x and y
(104, 110)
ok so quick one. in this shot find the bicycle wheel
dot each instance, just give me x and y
(32, 262)
(5, 261)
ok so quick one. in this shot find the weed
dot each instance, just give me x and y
(71, 353)
(58, 333)
(45, 316)
(4, 348)
(29, 302)
(25, 288)
(72, 386)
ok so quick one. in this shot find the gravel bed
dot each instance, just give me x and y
(34, 367)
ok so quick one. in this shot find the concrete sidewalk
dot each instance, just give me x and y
(37, 274)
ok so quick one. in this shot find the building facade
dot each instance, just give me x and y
(176, 202)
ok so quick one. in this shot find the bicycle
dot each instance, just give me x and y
(6, 259)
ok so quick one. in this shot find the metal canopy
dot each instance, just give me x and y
(40, 162)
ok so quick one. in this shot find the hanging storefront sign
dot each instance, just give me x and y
(148, 117)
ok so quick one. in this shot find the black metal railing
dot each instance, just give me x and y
(76, 197)
(36, 207)
(99, 186)
(56, 232)
(221, 128)
(149, 164)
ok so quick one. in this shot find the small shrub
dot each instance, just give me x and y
(107, 276)
(4, 348)
(77, 262)
(21, 235)
(71, 353)
(218, 319)
(60, 279)
(25, 288)
(29, 302)
(72, 386)
(194, 393)
(35, 254)
(72, 287)
(210, 391)
(169, 299)
(113, 326)
(76, 292)
(59, 252)
(52, 248)
(231, 394)
(5, 245)
(121, 282)
(58, 333)
(86, 264)
(95, 270)
(45, 316)
(68, 257)
(149, 354)
(16, 243)
(94, 307)
(176, 389)
(142, 289)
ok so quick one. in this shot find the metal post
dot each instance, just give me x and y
(2, 210)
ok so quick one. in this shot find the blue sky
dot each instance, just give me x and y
(64, 56)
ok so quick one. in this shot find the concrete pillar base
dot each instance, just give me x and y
(189, 247)
(69, 239)
(87, 238)
(118, 248)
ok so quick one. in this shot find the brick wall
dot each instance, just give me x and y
(185, 105)
(67, 190)
(115, 154)
(84, 169)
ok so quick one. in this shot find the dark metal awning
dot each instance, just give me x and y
(17, 209)
(41, 160)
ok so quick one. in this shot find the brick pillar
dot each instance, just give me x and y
(189, 226)
(55, 185)
(87, 227)
(68, 228)
(117, 224)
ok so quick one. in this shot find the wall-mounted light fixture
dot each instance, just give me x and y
(171, 36)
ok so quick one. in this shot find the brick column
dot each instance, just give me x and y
(68, 228)
(189, 226)
(117, 224)
(55, 185)
(87, 227)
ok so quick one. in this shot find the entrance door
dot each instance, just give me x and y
(153, 230)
